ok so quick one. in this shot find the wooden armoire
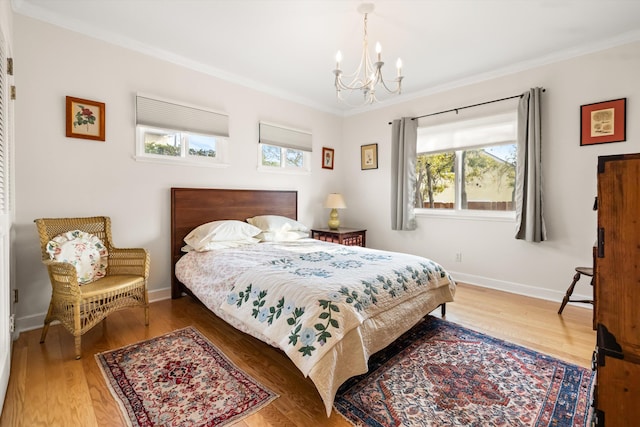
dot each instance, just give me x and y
(617, 293)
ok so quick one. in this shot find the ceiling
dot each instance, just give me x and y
(287, 47)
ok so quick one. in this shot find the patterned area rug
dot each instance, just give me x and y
(180, 379)
(441, 374)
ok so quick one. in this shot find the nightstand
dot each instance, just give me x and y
(344, 236)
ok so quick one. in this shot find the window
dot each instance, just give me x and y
(467, 165)
(281, 148)
(162, 144)
(280, 157)
(171, 132)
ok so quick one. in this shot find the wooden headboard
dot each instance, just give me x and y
(191, 207)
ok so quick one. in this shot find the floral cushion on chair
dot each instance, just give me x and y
(85, 251)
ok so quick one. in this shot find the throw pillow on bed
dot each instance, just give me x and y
(282, 236)
(85, 251)
(211, 246)
(220, 231)
(276, 223)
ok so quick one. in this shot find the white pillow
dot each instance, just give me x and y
(276, 223)
(218, 231)
(85, 251)
(282, 236)
(222, 245)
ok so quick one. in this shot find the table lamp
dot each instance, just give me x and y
(334, 201)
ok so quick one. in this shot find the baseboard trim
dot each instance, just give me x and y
(35, 321)
(28, 323)
(518, 288)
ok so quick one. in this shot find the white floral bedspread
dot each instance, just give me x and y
(304, 296)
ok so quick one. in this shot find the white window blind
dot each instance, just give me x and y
(470, 133)
(169, 115)
(284, 137)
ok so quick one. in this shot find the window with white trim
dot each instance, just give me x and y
(467, 165)
(168, 131)
(283, 149)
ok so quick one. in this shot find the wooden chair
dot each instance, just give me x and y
(580, 271)
(81, 307)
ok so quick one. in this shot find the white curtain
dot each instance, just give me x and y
(404, 135)
(529, 213)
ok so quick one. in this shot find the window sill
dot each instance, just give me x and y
(474, 215)
(180, 162)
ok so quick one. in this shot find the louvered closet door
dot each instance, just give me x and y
(5, 226)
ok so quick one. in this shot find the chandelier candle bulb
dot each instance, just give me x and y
(399, 65)
(378, 50)
(338, 60)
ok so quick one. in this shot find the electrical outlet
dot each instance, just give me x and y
(459, 257)
(12, 323)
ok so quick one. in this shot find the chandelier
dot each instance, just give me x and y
(368, 75)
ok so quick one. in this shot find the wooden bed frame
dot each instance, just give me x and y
(191, 207)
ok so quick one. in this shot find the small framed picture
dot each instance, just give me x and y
(327, 158)
(603, 122)
(369, 156)
(85, 119)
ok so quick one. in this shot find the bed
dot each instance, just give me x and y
(327, 306)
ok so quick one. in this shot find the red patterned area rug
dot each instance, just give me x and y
(180, 379)
(441, 374)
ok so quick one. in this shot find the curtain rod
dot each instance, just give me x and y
(468, 106)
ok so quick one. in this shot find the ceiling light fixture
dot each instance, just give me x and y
(368, 75)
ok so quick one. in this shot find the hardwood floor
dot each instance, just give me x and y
(48, 387)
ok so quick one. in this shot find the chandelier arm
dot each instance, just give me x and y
(367, 76)
(347, 103)
(368, 67)
(360, 79)
(398, 88)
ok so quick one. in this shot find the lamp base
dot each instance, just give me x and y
(334, 221)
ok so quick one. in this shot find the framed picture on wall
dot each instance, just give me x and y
(603, 122)
(85, 119)
(369, 156)
(327, 158)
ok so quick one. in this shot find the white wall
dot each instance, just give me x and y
(491, 255)
(58, 176)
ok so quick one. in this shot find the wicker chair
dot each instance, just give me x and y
(79, 308)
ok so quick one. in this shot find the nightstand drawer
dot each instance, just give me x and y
(343, 236)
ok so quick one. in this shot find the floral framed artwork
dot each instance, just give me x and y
(369, 156)
(327, 158)
(603, 122)
(85, 119)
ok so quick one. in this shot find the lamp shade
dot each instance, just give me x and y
(335, 201)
